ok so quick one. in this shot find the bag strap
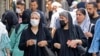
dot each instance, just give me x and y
(90, 26)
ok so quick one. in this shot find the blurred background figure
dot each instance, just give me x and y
(92, 11)
(54, 24)
(34, 8)
(20, 7)
(55, 5)
(98, 6)
(65, 4)
(48, 12)
(73, 6)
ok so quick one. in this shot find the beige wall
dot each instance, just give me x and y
(2, 7)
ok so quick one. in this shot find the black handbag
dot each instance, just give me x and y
(49, 52)
(81, 49)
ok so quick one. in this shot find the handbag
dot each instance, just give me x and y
(48, 52)
(81, 49)
(98, 54)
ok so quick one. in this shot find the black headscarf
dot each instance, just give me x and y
(81, 5)
(26, 16)
(70, 23)
(9, 18)
(25, 19)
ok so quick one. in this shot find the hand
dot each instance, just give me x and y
(30, 42)
(57, 45)
(88, 34)
(94, 54)
(8, 54)
(8, 51)
(42, 43)
(72, 43)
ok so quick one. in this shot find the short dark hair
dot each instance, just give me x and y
(34, 1)
(20, 3)
(97, 1)
(93, 3)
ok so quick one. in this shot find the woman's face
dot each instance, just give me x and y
(62, 18)
(35, 20)
(80, 17)
(36, 17)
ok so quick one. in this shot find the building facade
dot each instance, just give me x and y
(8, 5)
(4, 5)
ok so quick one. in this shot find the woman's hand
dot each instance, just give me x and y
(8, 52)
(73, 43)
(88, 34)
(42, 43)
(57, 45)
(8, 55)
(31, 42)
(94, 54)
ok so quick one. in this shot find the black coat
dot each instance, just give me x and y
(62, 36)
(34, 50)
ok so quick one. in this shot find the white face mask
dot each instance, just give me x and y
(18, 10)
(34, 22)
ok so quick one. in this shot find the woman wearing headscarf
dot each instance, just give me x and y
(4, 41)
(10, 19)
(68, 37)
(16, 33)
(83, 20)
(35, 37)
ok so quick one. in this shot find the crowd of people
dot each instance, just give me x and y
(64, 29)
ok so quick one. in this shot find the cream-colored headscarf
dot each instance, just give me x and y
(85, 25)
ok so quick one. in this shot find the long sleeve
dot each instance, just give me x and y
(48, 36)
(81, 36)
(13, 39)
(22, 43)
(55, 39)
(5, 43)
(96, 39)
